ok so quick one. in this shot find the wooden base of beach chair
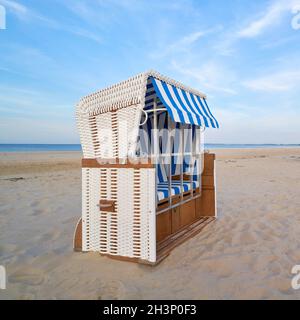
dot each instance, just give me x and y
(165, 247)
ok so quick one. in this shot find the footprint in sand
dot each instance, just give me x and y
(34, 204)
(34, 207)
(50, 235)
(266, 262)
(36, 212)
(32, 277)
(70, 220)
(281, 284)
(111, 290)
(244, 238)
(222, 267)
(8, 248)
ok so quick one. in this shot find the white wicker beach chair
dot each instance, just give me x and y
(147, 184)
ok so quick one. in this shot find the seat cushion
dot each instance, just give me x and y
(176, 188)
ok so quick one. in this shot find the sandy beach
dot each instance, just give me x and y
(247, 253)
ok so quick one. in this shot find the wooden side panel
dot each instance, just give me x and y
(115, 163)
(176, 224)
(209, 164)
(206, 204)
(208, 182)
(163, 225)
(187, 213)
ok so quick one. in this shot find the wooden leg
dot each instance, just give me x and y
(77, 241)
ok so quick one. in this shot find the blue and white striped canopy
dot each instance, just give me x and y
(183, 106)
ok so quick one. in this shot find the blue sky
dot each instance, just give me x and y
(245, 55)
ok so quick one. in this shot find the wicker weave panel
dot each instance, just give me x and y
(130, 231)
(90, 213)
(148, 216)
(85, 209)
(127, 126)
(85, 129)
(110, 135)
(103, 135)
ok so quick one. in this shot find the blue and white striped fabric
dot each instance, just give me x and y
(145, 138)
(183, 106)
(176, 188)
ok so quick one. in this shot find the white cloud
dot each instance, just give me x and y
(280, 81)
(268, 19)
(182, 45)
(27, 14)
(94, 13)
(280, 42)
(211, 76)
(256, 26)
(178, 46)
(24, 13)
(20, 10)
(82, 33)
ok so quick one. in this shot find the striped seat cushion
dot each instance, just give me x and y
(163, 188)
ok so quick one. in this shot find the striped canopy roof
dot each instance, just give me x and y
(183, 106)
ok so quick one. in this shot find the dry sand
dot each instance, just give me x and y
(248, 253)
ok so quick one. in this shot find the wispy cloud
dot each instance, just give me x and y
(24, 13)
(20, 10)
(95, 13)
(27, 14)
(251, 27)
(280, 81)
(183, 44)
(107, 16)
(272, 16)
(85, 33)
(280, 42)
(210, 76)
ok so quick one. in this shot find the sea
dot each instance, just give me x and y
(77, 147)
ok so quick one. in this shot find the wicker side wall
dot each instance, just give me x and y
(110, 135)
(130, 230)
